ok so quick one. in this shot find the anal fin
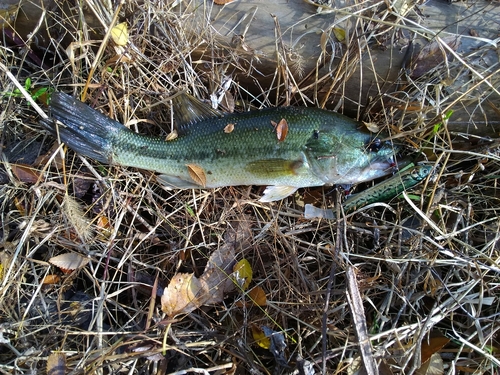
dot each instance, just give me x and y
(173, 182)
(275, 193)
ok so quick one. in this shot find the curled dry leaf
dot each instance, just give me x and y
(69, 262)
(434, 366)
(229, 128)
(172, 135)
(372, 127)
(197, 174)
(281, 129)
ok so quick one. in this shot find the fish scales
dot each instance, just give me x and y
(321, 147)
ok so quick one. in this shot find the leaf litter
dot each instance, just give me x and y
(186, 292)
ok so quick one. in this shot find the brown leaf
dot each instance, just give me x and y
(51, 279)
(433, 54)
(69, 261)
(434, 345)
(281, 129)
(25, 173)
(197, 174)
(257, 297)
(229, 128)
(182, 295)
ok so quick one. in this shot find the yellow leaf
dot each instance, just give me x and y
(197, 174)
(119, 33)
(260, 338)
(339, 34)
(242, 273)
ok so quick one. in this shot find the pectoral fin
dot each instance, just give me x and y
(272, 168)
(275, 193)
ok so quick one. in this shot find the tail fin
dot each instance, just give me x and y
(84, 129)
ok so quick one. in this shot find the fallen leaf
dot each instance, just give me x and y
(372, 127)
(222, 2)
(339, 34)
(434, 345)
(242, 274)
(197, 174)
(278, 344)
(182, 295)
(51, 279)
(25, 173)
(258, 296)
(119, 34)
(68, 262)
(433, 54)
(229, 128)
(281, 129)
(172, 135)
(260, 338)
(186, 292)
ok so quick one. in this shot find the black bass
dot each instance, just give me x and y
(314, 147)
(379, 193)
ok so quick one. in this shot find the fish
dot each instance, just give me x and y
(284, 148)
(381, 192)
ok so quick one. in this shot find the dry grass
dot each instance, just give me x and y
(426, 265)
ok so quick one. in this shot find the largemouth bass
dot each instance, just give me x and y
(378, 193)
(313, 147)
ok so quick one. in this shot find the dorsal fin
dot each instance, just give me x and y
(189, 110)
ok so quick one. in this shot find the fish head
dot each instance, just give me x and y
(350, 157)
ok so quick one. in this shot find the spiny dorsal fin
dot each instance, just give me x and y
(188, 110)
